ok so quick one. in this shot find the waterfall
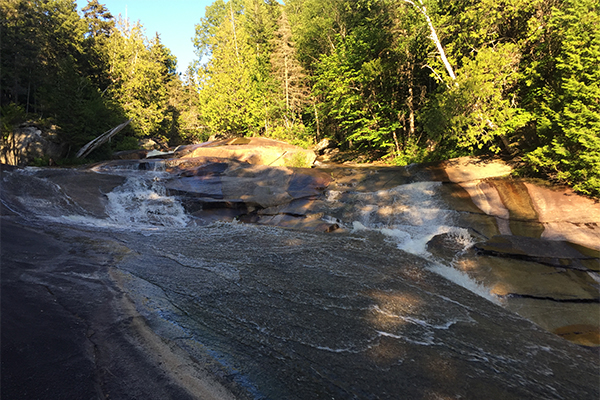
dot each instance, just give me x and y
(411, 215)
(142, 202)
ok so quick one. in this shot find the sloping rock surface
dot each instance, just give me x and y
(534, 244)
(259, 151)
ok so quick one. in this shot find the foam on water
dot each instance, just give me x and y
(139, 201)
(462, 279)
(411, 215)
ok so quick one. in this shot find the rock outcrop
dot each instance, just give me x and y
(536, 247)
(258, 151)
(27, 143)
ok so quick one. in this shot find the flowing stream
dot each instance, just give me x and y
(285, 314)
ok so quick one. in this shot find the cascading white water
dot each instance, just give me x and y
(142, 202)
(134, 166)
(411, 215)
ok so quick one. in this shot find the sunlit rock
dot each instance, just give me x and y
(566, 215)
(259, 151)
(465, 169)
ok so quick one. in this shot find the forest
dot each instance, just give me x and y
(402, 81)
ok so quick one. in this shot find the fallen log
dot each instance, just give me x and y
(91, 146)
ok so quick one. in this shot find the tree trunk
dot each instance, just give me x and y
(287, 83)
(423, 10)
(233, 29)
(411, 114)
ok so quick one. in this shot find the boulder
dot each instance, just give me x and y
(448, 245)
(556, 252)
(257, 193)
(324, 145)
(148, 144)
(28, 142)
(257, 151)
(466, 169)
(129, 155)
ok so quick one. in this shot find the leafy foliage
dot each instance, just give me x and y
(369, 74)
(477, 112)
(565, 98)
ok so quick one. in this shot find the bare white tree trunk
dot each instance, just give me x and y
(423, 10)
(91, 146)
(287, 83)
(233, 28)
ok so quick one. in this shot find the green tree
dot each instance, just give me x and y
(139, 70)
(43, 68)
(564, 88)
(230, 100)
(478, 113)
(100, 26)
(486, 41)
(207, 29)
(293, 90)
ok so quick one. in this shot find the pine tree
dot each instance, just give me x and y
(100, 26)
(231, 103)
(565, 88)
(289, 73)
(138, 72)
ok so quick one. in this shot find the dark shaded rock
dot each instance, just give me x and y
(130, 155)
(247, 188)
(306, 182)
(448, 245)
(88, 189)
(74, 192)
(209, 168)
(65, 331)
(196, 186)
(558, 253)
(211, 212)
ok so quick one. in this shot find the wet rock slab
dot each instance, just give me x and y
(311, 316)
(558, 253)
(66, 333)
(253, 188)
(278, 313)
